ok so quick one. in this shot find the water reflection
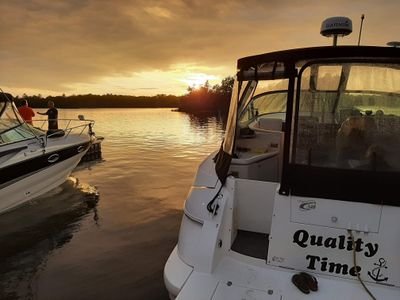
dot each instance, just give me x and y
(60, 248)
(204, 120)
(42, 226)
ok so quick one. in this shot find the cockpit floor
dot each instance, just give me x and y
(252, 244)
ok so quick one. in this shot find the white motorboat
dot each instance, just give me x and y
(305, 181)
(32, 161)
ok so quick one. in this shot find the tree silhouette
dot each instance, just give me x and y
(197, 100)
(103, 101)
(207, 99)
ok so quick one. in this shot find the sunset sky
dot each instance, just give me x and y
(146, 47)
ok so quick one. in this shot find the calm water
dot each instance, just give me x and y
(66, 245)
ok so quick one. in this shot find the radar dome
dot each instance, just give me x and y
(336, 26)
(395, 44)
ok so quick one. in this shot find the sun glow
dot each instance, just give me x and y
(175, 80)
(196, 80)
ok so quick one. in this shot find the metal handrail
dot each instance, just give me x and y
(68, 128)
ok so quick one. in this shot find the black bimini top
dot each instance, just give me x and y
(295, 55)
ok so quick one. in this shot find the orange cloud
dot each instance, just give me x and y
(59, 45)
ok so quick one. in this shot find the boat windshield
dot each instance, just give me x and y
(268, 101)
(12, 127)
(348, 116)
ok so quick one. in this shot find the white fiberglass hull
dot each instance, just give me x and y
(37, 183)
(238, 278)
(205, 265)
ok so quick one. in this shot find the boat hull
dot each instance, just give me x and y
(237, 277)
(37, 183)
(207, 264)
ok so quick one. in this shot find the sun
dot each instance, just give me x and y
(196, 80)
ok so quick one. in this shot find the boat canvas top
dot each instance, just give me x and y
(293, 56)
(348, 62)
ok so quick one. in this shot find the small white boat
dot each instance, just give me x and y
(305, 181)
(32, 161)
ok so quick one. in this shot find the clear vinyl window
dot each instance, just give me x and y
(12, 128)
(349, 117)
(269, 100)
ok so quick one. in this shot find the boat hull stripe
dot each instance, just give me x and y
(12, 172)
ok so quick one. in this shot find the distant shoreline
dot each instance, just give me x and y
(174, 103)
(103, 101)
(204, 99)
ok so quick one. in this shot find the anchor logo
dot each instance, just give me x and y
(375, 274)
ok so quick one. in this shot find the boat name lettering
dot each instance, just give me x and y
(322, 263)
(303, 239)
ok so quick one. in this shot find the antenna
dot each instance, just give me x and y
(361, 26)
(336, 26)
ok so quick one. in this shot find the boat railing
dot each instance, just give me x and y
(66, 126)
